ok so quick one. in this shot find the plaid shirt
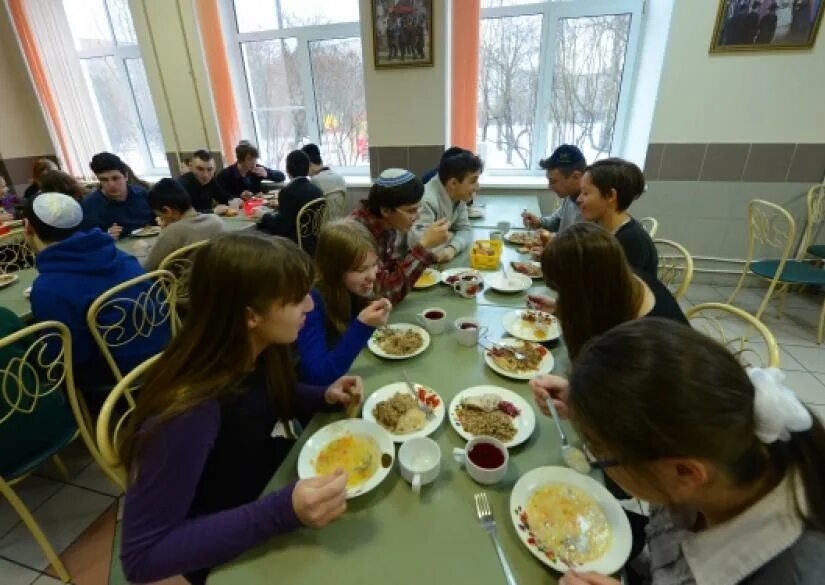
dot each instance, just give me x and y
(396, 274)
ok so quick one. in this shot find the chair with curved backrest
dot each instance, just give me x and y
(651, 225)
(179, 263)
(15, 253)
(309, 221)
(675, 266)
(336, 205)
(816, 216)
(40, 413)
(115, 413)
(733, 328)
(772, 229)
(120, 319)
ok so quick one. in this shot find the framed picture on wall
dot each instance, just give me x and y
(766, 25)
(402, 33)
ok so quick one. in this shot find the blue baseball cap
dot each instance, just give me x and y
(564, 155)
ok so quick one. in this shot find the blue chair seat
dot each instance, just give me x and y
(817, 250)
(794, 271)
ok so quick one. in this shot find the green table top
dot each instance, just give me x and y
(504, 208)
(389, 534)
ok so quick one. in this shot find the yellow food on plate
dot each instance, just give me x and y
(427, 278)
(568, 521)
(359, 456)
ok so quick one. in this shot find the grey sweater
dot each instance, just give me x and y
(566, 215)
(436, 204)
(191, 228)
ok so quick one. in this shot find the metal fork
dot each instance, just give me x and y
(519, 356)
(488, 523)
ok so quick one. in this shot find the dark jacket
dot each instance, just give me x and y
(132, 214)
(72, 274)
(291, 199)
(232, 182)
(203, 195)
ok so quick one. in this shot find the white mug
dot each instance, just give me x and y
(433, 320)
(483, 475)
(468, 331)
(503, 227)
(419, 460)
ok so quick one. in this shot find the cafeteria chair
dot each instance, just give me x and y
(675, 266)
(772, 229)
(651, 225)
(308, 223)
(40, 413)
(336, 205)
(733, 328)
(179, 263)
(816, 216)
(114, 415)
(15, 253)
(115, 321)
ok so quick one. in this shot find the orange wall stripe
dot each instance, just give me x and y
(217, 63)
(466, 24)
(44, 91)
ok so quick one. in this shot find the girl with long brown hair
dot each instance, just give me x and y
(56, 181)
(596, 287)
(344, 318)
(216, 416)
(732, 463)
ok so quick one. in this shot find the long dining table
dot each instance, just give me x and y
(390, 535)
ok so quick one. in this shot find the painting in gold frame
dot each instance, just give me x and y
(766, 25)
(402, 33)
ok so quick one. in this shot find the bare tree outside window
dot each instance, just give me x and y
(508, 86)
(589, 56)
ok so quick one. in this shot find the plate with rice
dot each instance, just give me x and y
(394, 408)
(492, 411)
(399, 341)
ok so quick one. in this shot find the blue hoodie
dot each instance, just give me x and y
(132, 214)
(72, 274)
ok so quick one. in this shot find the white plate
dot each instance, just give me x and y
(525, 422)
(515, 326)
(7, 279)
(387, 392)
(353, 426)
(532, 263)
(615, 557)
(146, 232)
(445, 274)
(517, 237)
(28, 292)
(513, 283)
(435, 278)
(475, 213)
(545, 367)
(373, 346)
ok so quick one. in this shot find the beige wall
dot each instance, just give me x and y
(407, 107)
(752, 97)
(23, 131)
(175, 66)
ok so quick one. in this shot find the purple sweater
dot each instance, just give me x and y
(160, 536)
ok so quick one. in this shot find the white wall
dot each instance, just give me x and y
(407, 107)
(752, 97)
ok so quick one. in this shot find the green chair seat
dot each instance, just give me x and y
(817, 250)
(793, 272)
(30, 439)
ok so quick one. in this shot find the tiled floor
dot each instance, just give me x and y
(79, 517)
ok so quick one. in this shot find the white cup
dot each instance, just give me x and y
(483, 475)
(236, 203)
(503, 226)
(433, 320)
(419, 460)
(468, 331)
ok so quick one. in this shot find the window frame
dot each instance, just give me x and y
(120, 54)
(303, 35)
(552, 12)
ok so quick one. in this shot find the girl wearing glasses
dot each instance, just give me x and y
(732, 463)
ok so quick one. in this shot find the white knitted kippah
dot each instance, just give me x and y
(58, 210)
(394, 177)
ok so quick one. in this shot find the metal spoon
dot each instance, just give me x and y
(573, 456)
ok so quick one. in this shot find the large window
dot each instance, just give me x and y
(303, 78)
(551, 73)
(105, 40)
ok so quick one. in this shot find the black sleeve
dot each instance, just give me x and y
(275, 175)
(220, 194)
(224, 180)
(634, 248)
